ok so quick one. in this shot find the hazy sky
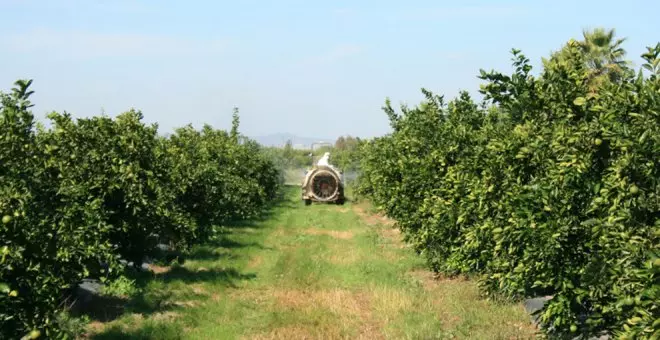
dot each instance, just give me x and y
(312, 68)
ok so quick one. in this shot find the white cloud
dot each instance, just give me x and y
(84, 45)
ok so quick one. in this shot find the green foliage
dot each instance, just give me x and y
(344, 154)
(80, 196)
(288, 157)
(120, 287)
(219, 179)
(603, 54)
(119, 167)
(552, 189)
(71, 327)
(46, 243)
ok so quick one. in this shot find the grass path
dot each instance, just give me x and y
(317, 272)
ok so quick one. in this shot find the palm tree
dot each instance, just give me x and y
(603, 53)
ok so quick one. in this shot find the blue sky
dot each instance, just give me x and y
(310, 68)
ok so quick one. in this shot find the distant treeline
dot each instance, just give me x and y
(343, 154)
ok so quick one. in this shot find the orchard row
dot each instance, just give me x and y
(86, 195)
(551, 186)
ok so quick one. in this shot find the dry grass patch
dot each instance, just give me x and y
(92, 328)
(135, 321)
(280, 231)
(159, 269)
(344, 259)
(527, 330)
(387, 252)
(182, 304)
(388, 301)
(165, 316)
(372, 219)
(386, 227)
(354, 310)
(367, 218)
(458, 300)
(338, 301)
(257, 296)
(198, 289)
(340, 255)
(137, 318)
(343, 235)
(432, 280)
(97, 327)
(391, 233)
(255, 262)
(296, 332)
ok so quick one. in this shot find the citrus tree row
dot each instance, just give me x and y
(551, 186)
(77, 198)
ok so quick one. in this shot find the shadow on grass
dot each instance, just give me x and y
(274, 208)
(147, 330)
(151, 300)
(221, 248)
(226, 277)
(225, 242)
(209, 253)
(99, 308)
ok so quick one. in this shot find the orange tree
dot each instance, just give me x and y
(47, 242)
(80, 196)
(551, 186)
(220, 175)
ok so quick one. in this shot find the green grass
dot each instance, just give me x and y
(320, 271)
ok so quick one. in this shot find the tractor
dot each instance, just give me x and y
(323, 183)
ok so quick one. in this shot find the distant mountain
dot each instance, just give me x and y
(279, 140)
